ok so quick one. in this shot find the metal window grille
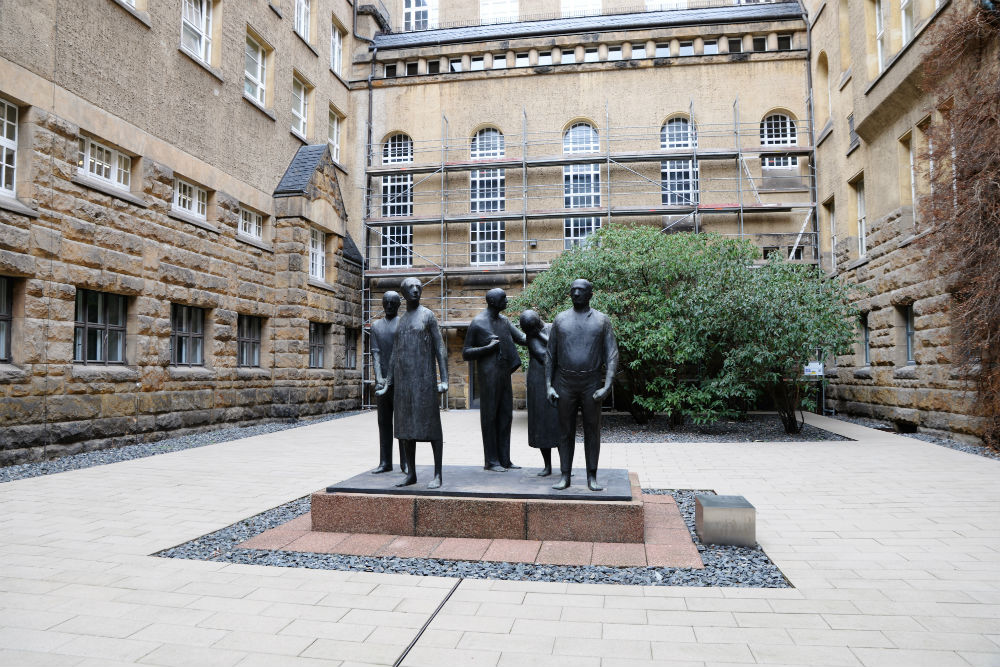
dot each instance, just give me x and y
(99, 328)
(255, 70)
(760, 44)
(248, 340)
(333, 135)
(433, 66)
(576, 230)
(397, 245)
(187, 335)
(866, 339)
(910, 330)
(336, 50)
(784, 42)
(489, 242)
(107, 164)
(419, 15)
(302, 18)
(777, 129)
(190, 198)
(350, 348)
(317, 254)
(251, 223)
(317, 344)
(300, 107)
(859, 192)
(8, 146)
(6, 317)
(196, 28)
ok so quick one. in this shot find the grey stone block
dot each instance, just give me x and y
(730, 520)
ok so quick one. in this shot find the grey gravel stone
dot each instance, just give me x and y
(968, 448)
(755, 428)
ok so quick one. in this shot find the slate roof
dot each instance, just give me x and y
(675, 17)
(299, 173)
(351, 251)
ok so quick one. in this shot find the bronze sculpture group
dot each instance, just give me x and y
(572, 363)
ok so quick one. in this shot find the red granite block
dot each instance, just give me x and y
(658, 499)
(303, 522)
(363, 544)
(460, 548)
(588, 521)
(485, 518)
(619, 554)
(513, 551)
(677, 554)
(316, 542)
(565, 553)
(362, 513)
(407, 546)
(275, 538)
(664, 516)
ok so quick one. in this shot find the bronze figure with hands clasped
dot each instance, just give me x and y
(382, 338)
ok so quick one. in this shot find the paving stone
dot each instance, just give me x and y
(565, 553)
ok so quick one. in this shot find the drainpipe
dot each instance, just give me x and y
(813, 186)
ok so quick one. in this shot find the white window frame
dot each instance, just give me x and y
(567, 57)
(522, 60)
(881, 48)
(397, 245)
(662, 50)
(638, 52)
(779, 129)
(710, 47)
(498, 11)
(303, 11)
(317, 254)
(544, 58)
(190, 199)
(8, 147)
(686, 48)
(255, 78)
(679, 178)
(859, 192)
(500, 61)
(913, 176)
(906, 19)
(104, 163)
(337, 50)
(333, 134)
(419, 15)
(300, 107)
(614, 53)
(251, 224)
(591, 55)
(196, 25)
(487, 187)
(581, 183)
(580, 8)
(488, 242)
(576, 230)
(477, 63)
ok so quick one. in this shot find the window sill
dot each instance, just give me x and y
(915, 237)
(275, 10)
(299, 137)
(321, 284)
(101, 373)
(864, 373)
(853, 147)
(844, 78)
(256, 105)
(257, 243)
(202, 64)
(306, 42)
(252, 373)
(340, 78)
(906, 47)
(191, 373)
(119, 193)
(340, 167)
(825, 132)
(11, 373)
(14, 205)
(141, 17)
(908, 372)
(191, 220)
(860, 261)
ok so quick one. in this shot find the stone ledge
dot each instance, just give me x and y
(864, 373)
(257, 105)
(257, 243)
(192, 220)
(191, 373)
(102, 373)
(140, 16)
(321, 284)
(100, 186)
(15, 206)
(252, 373)
(202, 64)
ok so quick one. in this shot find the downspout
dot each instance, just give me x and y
(813, 191)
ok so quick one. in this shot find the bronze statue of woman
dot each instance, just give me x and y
(543, 418)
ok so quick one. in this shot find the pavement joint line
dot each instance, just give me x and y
(423, 628)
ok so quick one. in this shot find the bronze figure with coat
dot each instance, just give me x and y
(383, 336)
(543, 418)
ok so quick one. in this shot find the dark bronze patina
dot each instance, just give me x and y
(543, 418)
(382, 338)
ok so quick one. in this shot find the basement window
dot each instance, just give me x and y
(390, 71)
(411, 69)
(687, 49)
(614, 53)
(455, 65)
(433, 66)
(760, 44)
(711, 47)
(784, 42)
(521, 60)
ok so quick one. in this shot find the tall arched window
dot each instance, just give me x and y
(397, 201)
(487, 193)
(678, 178)
(822, 104)
(778, 129)
(581, 183)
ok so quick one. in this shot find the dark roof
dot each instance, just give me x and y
(351, 251)
(300, 171)
(674, 17)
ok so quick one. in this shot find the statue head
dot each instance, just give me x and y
(580, 292)
(412, 290)
(496, 299)
(390, 303)
(531, 323)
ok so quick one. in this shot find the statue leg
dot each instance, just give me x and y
(403, 466)
(411, 462)
(384, 407)
(547, 459)
(505, 418)
(488, 406)
(568, 400)
(591, 433)
(437, 447)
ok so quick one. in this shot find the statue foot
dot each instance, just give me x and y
(592, 483)
(382, 468)
(435, 483)
(563, 483)
(545, 472)
(511, 466)
(495, 468)
(404, 469)
(410, 480)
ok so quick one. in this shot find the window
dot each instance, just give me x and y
(771, 251)
(784, 42)
(859, 198)
(350, 348)
(397, 149)
(866, 349)
(248, 329)
(489, 244)
(500, 61)
(778, 129)
(497, 11)
(251, 223)
(581, 7)
(397, 245)
(679, 178)
(687, 49)
(317, 254)
(8, 146)
(908, 171)
(190, 199)
(411, 68)
(567, 57)
(638, 51)
(337, 50)
(187, 335)
(390, 71)
(760, 44)
(477, 64)
(591, 55)
(796, 252)
(433, 66)
(545, 58)
(99, 328)
(487, 193)
(419, 15)
(6, 317)
(196, 28)
(663, 50)
(397, 200)
(855, 140)
(908, 334)
(302, 18)
(300, 107)
(522, 60)
(397, 195)
(881, 39)
(711, 47)
(333, 135)
(455, 65)
(735, 44)
(614, 53)
(96, 160)
(317, 344)
(581, 183)
(255, 71)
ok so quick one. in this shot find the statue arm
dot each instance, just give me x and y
(376, 359)
(441, 353)
(536, 348)
(517, 334)
(472, 351)
(551, 359)
(610, 357)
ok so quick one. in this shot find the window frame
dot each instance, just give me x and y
(614, 53)
(6, 318)
(544, 58)
(591, 54)
(758, 40)
(859, 202)
(498, 11)
(251, 224)
(202, 33)
(572, 8)
(336, 49)
(333, 133)
(412, 19)
(302, 22)
(317, 344)
(257, 81)
(82, 328)
(679, 177)
(779, 129)
(8, 147)
(454, 65)
(183, 338)
(499, 61)
(866, 350)
(710, 47)
(117, 163)
(300, 112)
(581, 183)
(317, 254)
(738, 41)
(522, 60)
(197, 198)
(686, 48)
(909, 334)
(397, 246)
(249, 335)
(351, 348)
(784, 39)
(881, 42)
(638, 52)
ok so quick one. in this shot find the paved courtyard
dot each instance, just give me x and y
(892, 546)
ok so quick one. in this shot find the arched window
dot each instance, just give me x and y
(678, 178)
(777, 129)
(581, 183)
(822, 106)
(487, 193)
(397, 201)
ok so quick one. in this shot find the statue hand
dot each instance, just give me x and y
(442, 387)
(601, 393)
(493, 344)
(552, 396)
(381, 390)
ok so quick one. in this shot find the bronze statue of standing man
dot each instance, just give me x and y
(580, 365)
(383, 337)
(418, 346)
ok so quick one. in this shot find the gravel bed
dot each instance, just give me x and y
(968, 448)
(755, 428)
(129, 452)
(724, 566)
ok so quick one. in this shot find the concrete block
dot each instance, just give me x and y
(725, 520)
